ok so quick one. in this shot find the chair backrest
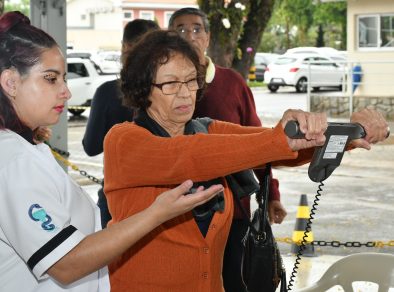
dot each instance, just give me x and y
(369, 267)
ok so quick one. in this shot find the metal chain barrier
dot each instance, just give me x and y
(66, 162)
(378, 244)
(336, 243)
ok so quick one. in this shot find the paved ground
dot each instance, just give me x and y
(356, 206)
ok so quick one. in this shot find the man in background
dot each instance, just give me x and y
(107, 109)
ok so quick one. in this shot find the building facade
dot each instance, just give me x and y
(94, 25)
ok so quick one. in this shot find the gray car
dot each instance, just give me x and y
(261, 61)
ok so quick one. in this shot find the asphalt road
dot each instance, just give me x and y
(357, 202)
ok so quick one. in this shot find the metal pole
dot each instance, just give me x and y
(50, 15)
(350, 88)
(308, 93)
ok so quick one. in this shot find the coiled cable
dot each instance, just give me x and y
(307, 230)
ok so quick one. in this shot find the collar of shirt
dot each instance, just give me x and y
(28, 135)
(210, 74)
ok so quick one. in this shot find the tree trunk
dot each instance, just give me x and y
(1, 7)
(257, 19)
(226, 47)
(223, 41)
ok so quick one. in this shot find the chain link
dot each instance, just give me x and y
(336, 243)
(66, 162)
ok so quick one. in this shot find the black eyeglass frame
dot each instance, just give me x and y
(180, 83)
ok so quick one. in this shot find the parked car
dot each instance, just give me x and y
(107, 61)
(340, 57)
(293, 70)
(261, 61)
(78, 54)
(83, 80)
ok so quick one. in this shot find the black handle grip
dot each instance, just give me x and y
(292, 130)
(354, 131)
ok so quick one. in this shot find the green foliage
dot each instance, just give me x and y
(23, 6)
(256, 84)
(297, 22)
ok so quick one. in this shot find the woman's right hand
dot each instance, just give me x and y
(174, 202)
(313, 125)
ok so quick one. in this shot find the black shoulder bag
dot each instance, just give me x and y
(261, 267)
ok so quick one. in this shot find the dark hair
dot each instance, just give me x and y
(188, 11)
(21, 46)
(136, 28)
(143, 60)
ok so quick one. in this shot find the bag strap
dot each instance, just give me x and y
(262, 195)
(261, 198)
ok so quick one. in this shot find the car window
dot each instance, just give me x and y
(76, 70)
(323, 61)
(259, 60)
(285, 61)
(308, 60)
(115, 58)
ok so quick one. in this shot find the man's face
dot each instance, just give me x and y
(191, 27)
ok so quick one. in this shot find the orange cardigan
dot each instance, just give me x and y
(139, 166)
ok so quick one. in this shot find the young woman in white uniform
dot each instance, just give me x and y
(50, 239)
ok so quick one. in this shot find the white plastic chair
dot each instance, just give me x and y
(369, 267)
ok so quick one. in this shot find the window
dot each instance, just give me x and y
(76, 70)
(167, 16)
(387, 31)
(376, 31)
(148, 15)
(128, 15)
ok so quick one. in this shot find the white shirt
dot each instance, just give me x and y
(43, 215)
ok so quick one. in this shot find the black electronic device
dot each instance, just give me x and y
(324, 161)
(328, 157)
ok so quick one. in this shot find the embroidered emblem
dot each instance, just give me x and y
(37, 213)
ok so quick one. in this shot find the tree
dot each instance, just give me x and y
(236, 30)
(23, 6)
(332, 17)
(317, 24)
(258, 17)
(1, 7)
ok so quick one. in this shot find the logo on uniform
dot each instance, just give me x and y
(37, 213)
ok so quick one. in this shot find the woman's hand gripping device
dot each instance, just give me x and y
(328, 157)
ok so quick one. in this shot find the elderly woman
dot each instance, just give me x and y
(162, 77)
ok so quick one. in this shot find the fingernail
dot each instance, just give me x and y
(188, 183)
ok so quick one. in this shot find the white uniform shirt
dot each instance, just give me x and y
(43, 215)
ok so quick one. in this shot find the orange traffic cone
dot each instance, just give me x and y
(299, 230)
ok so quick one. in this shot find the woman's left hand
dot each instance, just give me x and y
(375, 126)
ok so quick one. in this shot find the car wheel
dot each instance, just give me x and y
(302, 85)
(76, 112)
(273, 88)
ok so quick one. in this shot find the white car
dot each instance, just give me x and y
(338, 56)
(83, 79)
(295, 70)
(108, 61)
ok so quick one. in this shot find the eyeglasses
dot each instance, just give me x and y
(196, 31)
(173, 87)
